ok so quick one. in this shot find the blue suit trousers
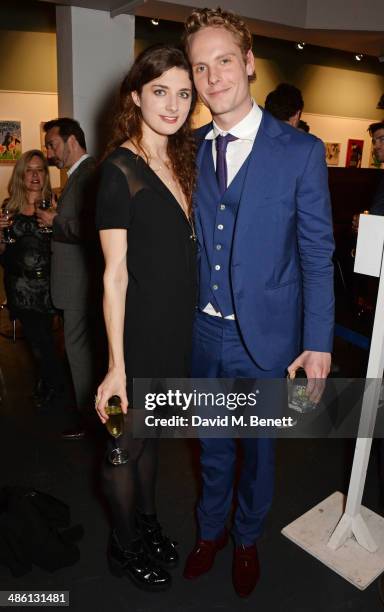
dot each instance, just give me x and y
(219, 352)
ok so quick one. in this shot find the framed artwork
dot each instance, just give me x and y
(332, 153)
(354, 153)
(10, 141)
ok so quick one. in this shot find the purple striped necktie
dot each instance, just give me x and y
(221, 162)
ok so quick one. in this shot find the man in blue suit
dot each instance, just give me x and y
(266, 278)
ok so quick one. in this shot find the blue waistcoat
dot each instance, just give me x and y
(217, 218)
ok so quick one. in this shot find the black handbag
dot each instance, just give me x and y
(34, 530)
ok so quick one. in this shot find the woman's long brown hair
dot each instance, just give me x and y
(127, 124)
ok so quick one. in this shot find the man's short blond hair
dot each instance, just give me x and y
(218, 18)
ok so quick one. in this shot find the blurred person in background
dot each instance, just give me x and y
(26, 263)
(285, 103)
(376, 131)
(73, 259)
(303, 126)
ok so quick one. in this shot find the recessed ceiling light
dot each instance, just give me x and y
(155, 22)
(300, 46)
(359, 57)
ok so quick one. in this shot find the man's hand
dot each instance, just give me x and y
(317, 366)
(45, 217)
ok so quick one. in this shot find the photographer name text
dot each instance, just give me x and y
(220, 421)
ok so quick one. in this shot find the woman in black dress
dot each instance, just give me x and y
(27, 270)
(147, 235)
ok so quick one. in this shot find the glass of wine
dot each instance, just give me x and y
(45, 205)
(7, 231)
(298, 399)
(115, 427)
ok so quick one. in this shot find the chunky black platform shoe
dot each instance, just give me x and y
(135, 564)
(158, 546)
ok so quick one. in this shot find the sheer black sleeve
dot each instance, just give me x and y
(114, 207)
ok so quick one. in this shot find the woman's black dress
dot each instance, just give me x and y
(161, 263)
(159, 312)
(27, 285)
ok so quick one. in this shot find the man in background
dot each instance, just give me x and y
(71, 225)
(376, 131)
(285, 103)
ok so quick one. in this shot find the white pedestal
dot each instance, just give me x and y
(312, 532)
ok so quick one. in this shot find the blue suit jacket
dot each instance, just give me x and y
(281, 263)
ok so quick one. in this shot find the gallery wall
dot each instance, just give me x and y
(340, 95)
(30, 108)
(340, 130)
(31, 66)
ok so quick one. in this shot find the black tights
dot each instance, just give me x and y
(37, 328)
(130, 488)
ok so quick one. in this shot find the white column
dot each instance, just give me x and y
(94, 52)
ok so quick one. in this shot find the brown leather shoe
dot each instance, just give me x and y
(246, 570)
(203, 555)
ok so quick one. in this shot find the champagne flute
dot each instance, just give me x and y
(115, 427)
(45, 204)
(7, 236)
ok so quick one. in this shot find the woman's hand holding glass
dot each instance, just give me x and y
(6, 222)
(113, 384)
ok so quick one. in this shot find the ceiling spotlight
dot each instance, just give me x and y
(299, 46)
(154, 21)
(359, 57)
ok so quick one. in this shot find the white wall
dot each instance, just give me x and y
(341, 129)
(31, 108)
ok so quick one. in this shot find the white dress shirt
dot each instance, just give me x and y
(238, 150)
(77, 164)
(236, 154)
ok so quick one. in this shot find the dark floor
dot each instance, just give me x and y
(32, 454)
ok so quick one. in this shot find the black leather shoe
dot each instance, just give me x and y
(135, 564)
(73, 434)
(160, 548)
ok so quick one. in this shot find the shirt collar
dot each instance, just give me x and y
(77, 164)
(246, 129)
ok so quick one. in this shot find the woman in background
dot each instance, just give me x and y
(26, 264)
(147, 235)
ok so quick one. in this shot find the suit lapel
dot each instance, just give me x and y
(73, 177)
(67, 187)
(266, 156)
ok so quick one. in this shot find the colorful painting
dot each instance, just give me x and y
(332, 153)
(10, 141)
(354, 153)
